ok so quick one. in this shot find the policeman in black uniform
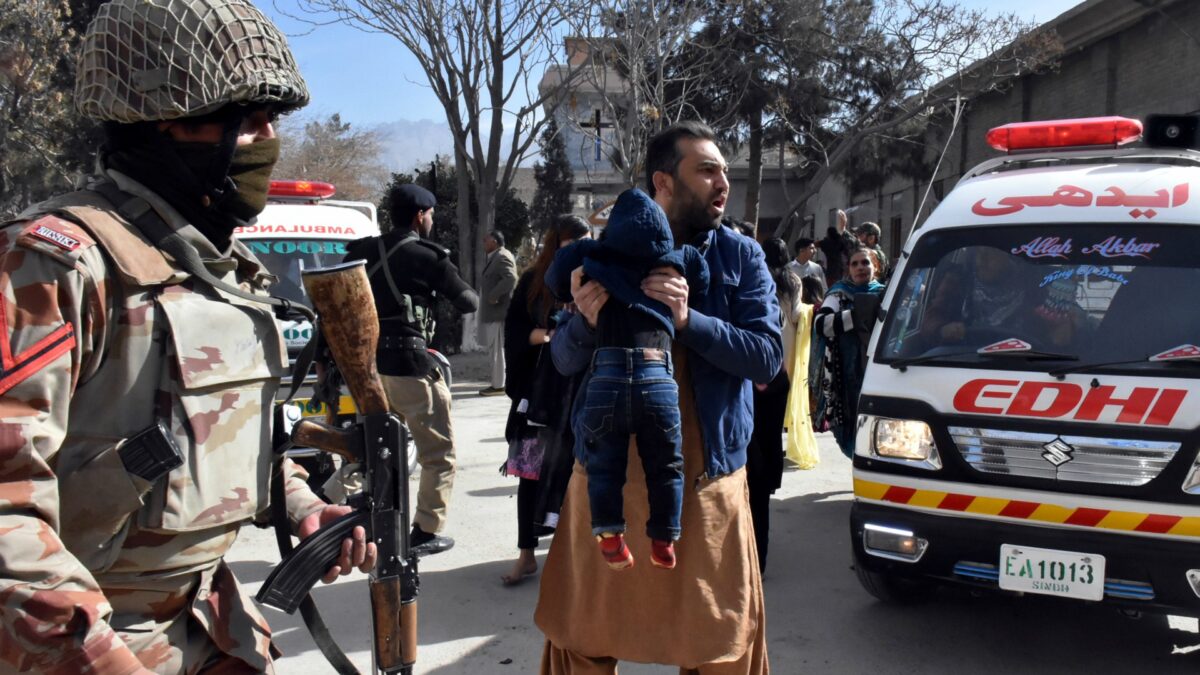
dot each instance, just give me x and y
(407, 274)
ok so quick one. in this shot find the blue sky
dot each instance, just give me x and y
(373, 81)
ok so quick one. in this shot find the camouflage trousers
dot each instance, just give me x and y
(199, 623)
(424, 405)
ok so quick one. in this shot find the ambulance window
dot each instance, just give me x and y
(1099, 292)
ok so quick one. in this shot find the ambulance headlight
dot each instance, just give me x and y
(902, 441)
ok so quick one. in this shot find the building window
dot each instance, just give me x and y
(896, 227)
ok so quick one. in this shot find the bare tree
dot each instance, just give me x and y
(44, 147)
(635, 66)
(331, 150)
(910, 60)
(483, 60)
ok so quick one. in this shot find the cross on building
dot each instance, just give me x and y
(599, 127)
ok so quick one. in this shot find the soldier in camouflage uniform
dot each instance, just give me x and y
(110, 564)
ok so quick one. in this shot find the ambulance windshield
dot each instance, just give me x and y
(287, 258)
(1101, 293)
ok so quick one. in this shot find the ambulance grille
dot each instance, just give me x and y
(1081, 459)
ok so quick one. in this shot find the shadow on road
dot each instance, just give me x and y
(501, 491)
(820, 619)
(457, 604)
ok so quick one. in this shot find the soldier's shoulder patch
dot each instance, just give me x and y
(56, 237)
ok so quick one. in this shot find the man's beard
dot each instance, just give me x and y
(689, 213)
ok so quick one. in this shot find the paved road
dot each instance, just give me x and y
(819, 619)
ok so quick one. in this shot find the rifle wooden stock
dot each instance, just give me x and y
(342, 297)
(311, 434)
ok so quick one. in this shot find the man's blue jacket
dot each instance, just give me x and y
(733, 335)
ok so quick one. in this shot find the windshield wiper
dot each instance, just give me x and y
(1029, 354)
(1170, 358)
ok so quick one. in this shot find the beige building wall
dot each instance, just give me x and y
(1120, 58)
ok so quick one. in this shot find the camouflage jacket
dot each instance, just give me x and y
(102, 336)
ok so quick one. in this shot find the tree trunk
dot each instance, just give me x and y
(485, 196)
(466, 245)
(754, 177)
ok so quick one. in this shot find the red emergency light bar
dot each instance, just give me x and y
(1110, 131)
(301, 188)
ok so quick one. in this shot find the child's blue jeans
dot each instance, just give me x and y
(632, 392)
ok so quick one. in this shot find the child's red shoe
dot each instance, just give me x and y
(662, 554)
(614, 550)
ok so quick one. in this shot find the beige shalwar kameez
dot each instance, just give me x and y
(706, 615)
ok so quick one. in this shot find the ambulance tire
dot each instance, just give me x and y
(891, 588)
(410, 453)
(443, 365)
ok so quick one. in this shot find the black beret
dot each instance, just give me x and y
(411, 197)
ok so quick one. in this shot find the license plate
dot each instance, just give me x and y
(1050, 572)
(311, 408)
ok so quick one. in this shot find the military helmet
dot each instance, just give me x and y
(870, 229)
(153, 60)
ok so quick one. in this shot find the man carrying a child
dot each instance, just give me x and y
(707, 614)
(630, 390)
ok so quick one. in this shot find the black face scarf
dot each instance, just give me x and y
(250, 172)
(215, 186)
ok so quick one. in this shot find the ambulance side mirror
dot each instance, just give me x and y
(867, 311)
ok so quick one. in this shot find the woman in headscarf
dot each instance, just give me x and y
(537, 432)
(839, 353)
(801, 448)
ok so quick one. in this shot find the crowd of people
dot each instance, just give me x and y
(611, 327)
(148, 357)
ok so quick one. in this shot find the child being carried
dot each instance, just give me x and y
(631, 390)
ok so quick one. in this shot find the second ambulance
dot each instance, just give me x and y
(1029, 416)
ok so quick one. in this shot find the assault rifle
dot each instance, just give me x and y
(349, 325)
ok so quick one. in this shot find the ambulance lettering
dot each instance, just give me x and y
(1056, 400)
(294, 229)
(1141, 206)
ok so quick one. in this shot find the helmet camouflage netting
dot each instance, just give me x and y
(147, 60)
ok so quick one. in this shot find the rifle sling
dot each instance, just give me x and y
(384, 256)
(143, 216)
(308, 609)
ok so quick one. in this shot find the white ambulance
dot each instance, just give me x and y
(302, 228)
(1030, 414)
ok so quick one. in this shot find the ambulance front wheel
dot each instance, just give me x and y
(891, 588)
